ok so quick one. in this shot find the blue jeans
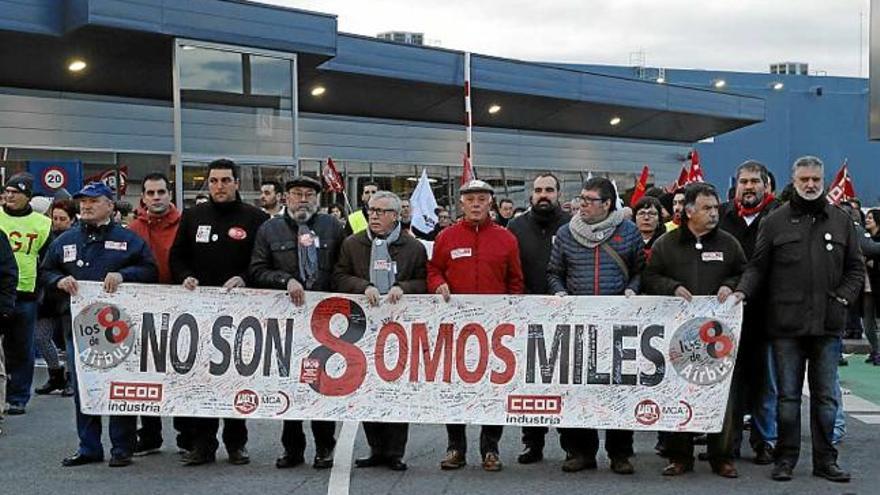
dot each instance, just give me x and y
(792, 355)
(19, 346)
(840, 418)
(764, 403)
(88, 427)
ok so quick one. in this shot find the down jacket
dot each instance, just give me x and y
(578, 270)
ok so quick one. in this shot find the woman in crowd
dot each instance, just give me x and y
(646, 214)
(63, 215)
(872, 225)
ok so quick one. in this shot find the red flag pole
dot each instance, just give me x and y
(640, 188)
(468, 165)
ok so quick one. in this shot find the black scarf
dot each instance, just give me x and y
(809, 207)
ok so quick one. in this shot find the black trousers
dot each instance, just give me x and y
(183, 426)
(150, 431)
(585, 441)
(533, 436)
(294, 440)
(490, 435)
(204, 433)
(387, 439)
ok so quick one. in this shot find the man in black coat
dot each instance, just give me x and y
(756, 392)
(535, 231)
(697, 259)
(807, 256)
(297, 252)
(213, 248)
(8, 284)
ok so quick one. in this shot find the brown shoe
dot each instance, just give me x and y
(677, 468)
(491, 462)
(725, 469)
(577, 462)
(454, 460)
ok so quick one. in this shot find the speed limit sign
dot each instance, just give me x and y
(54, 178)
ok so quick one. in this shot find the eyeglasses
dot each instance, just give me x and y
(647, 213)
(379, 211)
(588, 199)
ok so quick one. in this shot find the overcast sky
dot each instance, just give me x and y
(741, 35)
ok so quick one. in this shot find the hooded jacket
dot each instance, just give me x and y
(476, 259)
(159, 233)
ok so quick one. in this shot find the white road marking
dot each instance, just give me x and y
(340, 475)
(871, 419)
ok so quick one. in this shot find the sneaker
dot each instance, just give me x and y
(454, 460)
(491, 462)
(142, 448)
(197, 457)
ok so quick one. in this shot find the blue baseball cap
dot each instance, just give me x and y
(94, 190)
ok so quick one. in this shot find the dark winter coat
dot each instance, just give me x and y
(352, 274)
(8, 278)
(806, 262)
(275, 258)
(676, 261)
(214, 242)
(578, 270)
(535, 234)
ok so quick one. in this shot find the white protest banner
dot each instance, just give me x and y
(656, 363)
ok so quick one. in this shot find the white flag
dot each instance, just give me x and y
(423, 205)
(619, 204)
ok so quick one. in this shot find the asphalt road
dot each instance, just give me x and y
(34, 444)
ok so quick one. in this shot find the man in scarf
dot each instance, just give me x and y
(598, 252)
(297, 252)
(383, 260)
(807, 257)
(755, 392)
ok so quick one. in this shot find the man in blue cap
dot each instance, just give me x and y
(98, 250)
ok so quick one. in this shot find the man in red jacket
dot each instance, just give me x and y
(475, 256)
(156, 223)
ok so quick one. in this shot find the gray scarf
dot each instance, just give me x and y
(308, 252)
(591, 235)
(382, 275)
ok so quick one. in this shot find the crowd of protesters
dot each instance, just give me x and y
(803, 267)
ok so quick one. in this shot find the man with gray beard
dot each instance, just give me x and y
(297, 252)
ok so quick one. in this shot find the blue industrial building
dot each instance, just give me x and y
(164, 85)
(804, 114)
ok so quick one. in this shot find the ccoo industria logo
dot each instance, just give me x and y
(103, 335)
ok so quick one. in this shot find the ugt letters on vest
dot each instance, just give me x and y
(652, 363)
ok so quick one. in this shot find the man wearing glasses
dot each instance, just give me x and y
(599, 252)
(383, 260)
(213, 248)
(297, 252)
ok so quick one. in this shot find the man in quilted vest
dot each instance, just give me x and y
(599, 252)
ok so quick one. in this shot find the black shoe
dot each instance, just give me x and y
(323, 459)
(763, 455)
(197, 457)
(832, 472)
(622, 465)
(15, 410)
(372, 461)
(530, 455)
(396, 464)
(239, 457)
(288, 460)
(781, 472)
(843, 362)
(142, 448)
(55, 382)
(120, 461)
(703, 456)
(870, 358)
(79, 460)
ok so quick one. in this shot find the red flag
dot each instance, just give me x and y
(641, 186)
(841, 189)
(467, 172)
(332, 180)
(108, 177)
(681, 181)
(695, 174)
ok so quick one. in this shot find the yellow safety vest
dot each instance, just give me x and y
(357, 222)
